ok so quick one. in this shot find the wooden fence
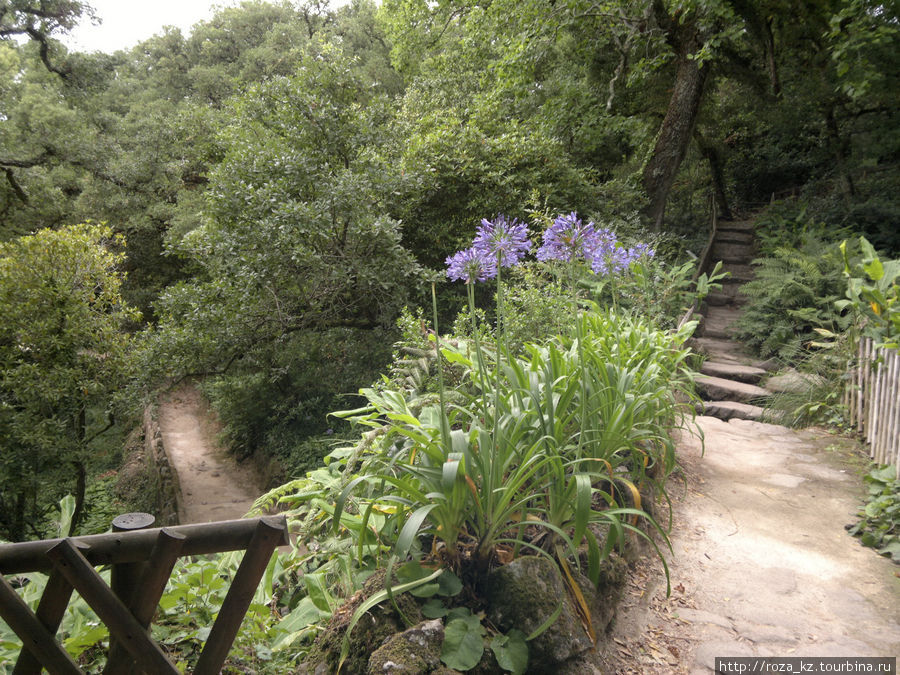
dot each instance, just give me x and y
(142, 560)
(873, 399)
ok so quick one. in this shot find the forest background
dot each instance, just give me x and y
(260, 199)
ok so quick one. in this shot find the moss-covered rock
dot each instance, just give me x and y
(524, 594)
(415, 650)
(527, 592)
(367, 636)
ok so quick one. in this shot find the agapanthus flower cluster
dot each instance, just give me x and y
(617, 259)
(503, 239)
(471, 265)
(568, 239)
(500, 240)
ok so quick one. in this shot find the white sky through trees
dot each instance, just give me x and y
(127, 22)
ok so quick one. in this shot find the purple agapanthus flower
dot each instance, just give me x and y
(641, 251)
(471, 265)
(568, 239)
(503, 238)
(614, 259)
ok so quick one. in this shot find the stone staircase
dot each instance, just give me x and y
(730, 378)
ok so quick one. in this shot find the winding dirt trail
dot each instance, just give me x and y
(761, 564)
(213, 486)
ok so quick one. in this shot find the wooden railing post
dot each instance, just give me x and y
(144, 599)
(124, 576)
(124, 581)
(269, 534)
(71, 563)
(50, 612)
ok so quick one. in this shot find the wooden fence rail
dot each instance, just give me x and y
(142, 561)
(873, 399)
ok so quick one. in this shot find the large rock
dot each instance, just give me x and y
(791, 381)
(525, 593)
(720, 389)
(415, 650)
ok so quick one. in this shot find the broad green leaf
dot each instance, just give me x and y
(434, 608)
(511, 651)
(463, 643)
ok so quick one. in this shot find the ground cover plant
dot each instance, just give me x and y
(476, 455)
(879, 519)
(473, 455)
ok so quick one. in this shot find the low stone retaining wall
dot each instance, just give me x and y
(167, 490)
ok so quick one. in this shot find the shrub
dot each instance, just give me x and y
(793, 294)
(879, 523)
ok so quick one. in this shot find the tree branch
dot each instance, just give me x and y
(14, 184)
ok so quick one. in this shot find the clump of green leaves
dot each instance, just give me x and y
(873, 293)
(656, 289)
(792, 296)
(879, 524)
(786, 224)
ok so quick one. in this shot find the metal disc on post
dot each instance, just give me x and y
(132, 521)
(125, 576)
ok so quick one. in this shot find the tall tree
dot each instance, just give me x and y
(41, 21)
(63, 357)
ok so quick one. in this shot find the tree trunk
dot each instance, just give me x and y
(841, 149)
(675, 133)
(711, 155)
(80, 493)
(80, 472)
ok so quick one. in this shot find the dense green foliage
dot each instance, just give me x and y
(879, 519)
(793, 294)
(873, 294)
(288, 178)
(63, 362)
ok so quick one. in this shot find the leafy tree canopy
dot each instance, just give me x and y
(63, 358)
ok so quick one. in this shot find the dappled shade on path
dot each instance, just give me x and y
(762, 564)
(212, 486)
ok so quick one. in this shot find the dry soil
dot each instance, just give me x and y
(761, 563)
(213, 486)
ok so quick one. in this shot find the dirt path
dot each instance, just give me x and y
(212, 485)
(762, 565)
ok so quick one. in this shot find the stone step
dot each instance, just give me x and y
(732, 253)
(713, 331)
(735, 236)
(727, 410)
(718, 349)
(729, 351)
(723, 314)
(725, 298)
(719, 322)
(735, 225)
(733, 371)
(739, 272)
(720, 389)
